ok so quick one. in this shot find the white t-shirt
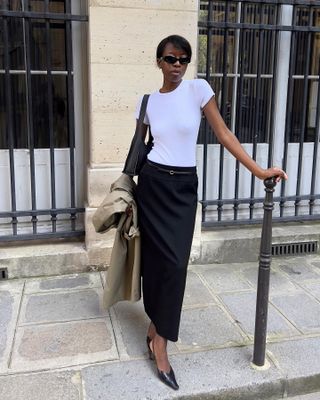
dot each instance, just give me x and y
(174, 118)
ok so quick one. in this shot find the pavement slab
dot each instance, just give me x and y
(66, 282)
(291, 305)
(300, 271)
(299, 361)
(313, 289)
(196, 292)
(10, 298)
(208, 327)
(61, 306)
(242, 307)
(40, 347)
(310, 396)
(278, 280)
(48, 386)
(222, 278)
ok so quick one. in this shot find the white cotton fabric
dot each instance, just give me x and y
(174, 118)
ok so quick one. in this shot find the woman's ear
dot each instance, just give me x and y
(159, 63)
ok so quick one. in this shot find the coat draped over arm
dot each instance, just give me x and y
(123, 275)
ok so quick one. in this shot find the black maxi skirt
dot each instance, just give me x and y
(167, 202)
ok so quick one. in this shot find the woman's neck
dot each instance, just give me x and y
(169, 86)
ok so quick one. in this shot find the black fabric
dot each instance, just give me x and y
(166, 211)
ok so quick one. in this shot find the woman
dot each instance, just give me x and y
(167, 192)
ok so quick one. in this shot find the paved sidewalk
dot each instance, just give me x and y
(312, 396)
(56, 343)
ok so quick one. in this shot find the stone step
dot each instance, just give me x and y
(44, 259)
(242, 244)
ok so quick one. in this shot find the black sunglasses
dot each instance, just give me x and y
(173, 60)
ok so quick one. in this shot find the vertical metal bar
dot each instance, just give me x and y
(260, 335)
(225, 63)
(239, 107)
(30, 126)
(235, 69)
(256, 112)
(315, 153)
(223, 109)
(8, 97)
(271, 134)
(206, 125)
(50, 120)
(304, 114)
(289, 112)
(71, 129)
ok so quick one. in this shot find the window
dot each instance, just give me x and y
(45, 56)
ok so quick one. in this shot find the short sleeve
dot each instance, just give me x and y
(204, 92)
(146, 119)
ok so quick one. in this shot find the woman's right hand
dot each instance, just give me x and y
(276, 172)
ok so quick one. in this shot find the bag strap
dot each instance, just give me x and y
(142, 113)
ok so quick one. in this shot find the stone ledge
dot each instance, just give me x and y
(209, 247)
(242, 244)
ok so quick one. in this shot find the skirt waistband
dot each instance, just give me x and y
(171, 170)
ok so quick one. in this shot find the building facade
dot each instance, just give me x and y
(71, 72)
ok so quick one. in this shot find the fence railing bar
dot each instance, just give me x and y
(25, 213)
(254, 27)
(315, 153)
(50, 121)
(206, 125)
(260, 199)
(43, 15)
(239, 115)
(288, 123)
(272, 100)
(254, 76)
(70, 91)
(30, 127)
(279, 2)
(34, 72)
(304, 115)
(8, 97)
(257, 121)
(256, 221)
(42, 236)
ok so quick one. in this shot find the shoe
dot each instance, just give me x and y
(167, 378)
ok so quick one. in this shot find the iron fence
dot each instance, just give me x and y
(262, 58)
(37, 118)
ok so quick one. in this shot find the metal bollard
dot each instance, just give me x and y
(260, 334)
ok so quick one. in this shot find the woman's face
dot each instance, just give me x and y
(172, 72)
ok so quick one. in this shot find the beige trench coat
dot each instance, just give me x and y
(123, 275)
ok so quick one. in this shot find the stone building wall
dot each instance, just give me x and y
(123, 36)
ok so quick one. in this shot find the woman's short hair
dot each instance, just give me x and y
(178, 42)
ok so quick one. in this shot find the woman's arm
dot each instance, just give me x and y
(144, 128)
(230, 142)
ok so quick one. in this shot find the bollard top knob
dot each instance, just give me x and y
(270, 183)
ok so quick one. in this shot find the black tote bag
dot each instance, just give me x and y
(139, 150)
